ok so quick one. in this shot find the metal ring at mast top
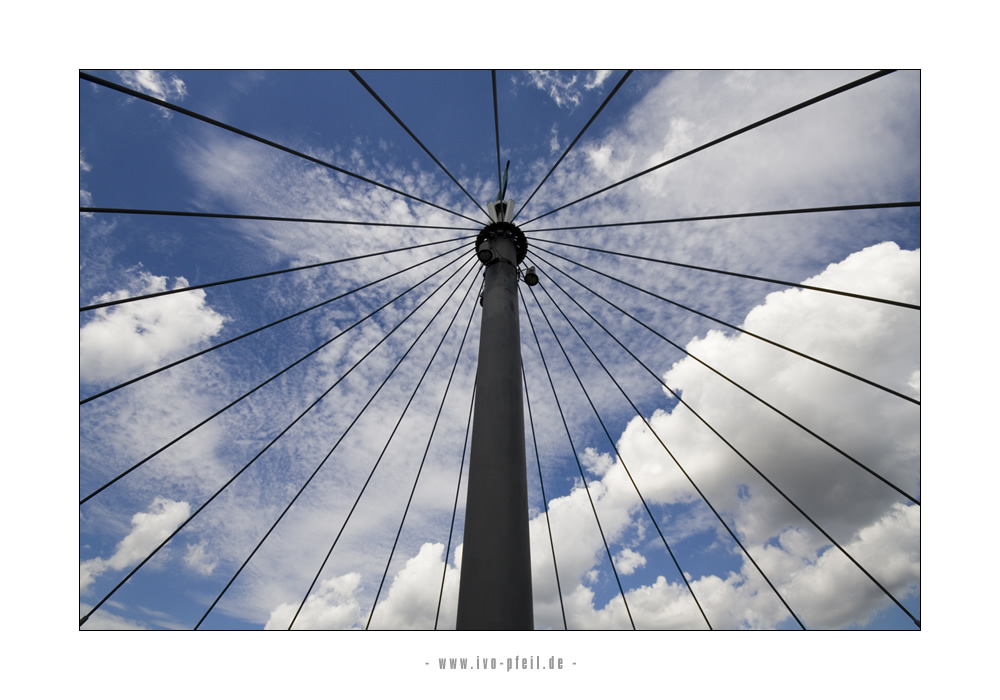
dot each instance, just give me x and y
(505, 229)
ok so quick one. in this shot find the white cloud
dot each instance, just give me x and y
(595, 79)
(154, 83)
(597, 463)
(332, 606)
(563, 90)
(682, 111)
(413, 597)
(121, 341)
(627, 561)
(199, 560)
(104, 620)
(554, 140)
(149, 530)
(409, 604)
(84, 165)
(824, 588)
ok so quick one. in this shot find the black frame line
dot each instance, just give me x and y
(539, 257)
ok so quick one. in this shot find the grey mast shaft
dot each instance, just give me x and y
(495, 587)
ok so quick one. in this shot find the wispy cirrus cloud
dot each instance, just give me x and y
(154, 83)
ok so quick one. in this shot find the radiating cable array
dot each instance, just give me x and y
(410, 312)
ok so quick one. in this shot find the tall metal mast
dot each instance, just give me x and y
(495, 588)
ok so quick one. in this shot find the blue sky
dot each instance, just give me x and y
(859, 147)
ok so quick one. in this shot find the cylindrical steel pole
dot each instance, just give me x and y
(495, 588)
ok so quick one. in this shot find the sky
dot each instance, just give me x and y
(859, 147)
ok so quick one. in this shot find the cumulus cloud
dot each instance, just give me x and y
(824, 588)
(627, 561)
(121, 341)
(149, 530)
(595, 79)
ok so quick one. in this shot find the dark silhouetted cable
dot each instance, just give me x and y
(399, 121)
(614, 446)
(781, 413)
(545, 502)
(793, 504)
(254, 459)
(766, 120)
(746, 215)
(381, 455)
(267, 381)
(570, 147)
(206, 285)
(430, 438)
(328, 454)
(744, 331)
(339, 440)
(496, 128)
(253, 137)
(733, 274)
(708, 503)
(249, 333)
(454, 508)
(579, 466)
(251, 217)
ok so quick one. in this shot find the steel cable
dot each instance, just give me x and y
(762, 122)
(248, 464)
(716, 371)
(377, 461)
(430, 438)
(264, 327)
(266, 142)
(586, 488)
